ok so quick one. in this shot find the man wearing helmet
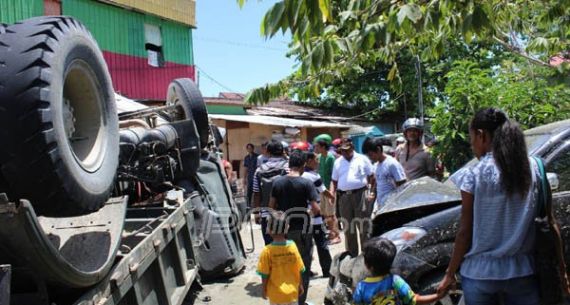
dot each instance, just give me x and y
(299, 145)
(413, 156)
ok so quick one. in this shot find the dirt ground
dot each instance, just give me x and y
(245, 288)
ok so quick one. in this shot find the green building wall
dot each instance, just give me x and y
(15, 10)
(122, 31)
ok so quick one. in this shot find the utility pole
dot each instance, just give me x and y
(420, 92)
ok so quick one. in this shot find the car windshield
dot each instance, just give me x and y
(534, 138)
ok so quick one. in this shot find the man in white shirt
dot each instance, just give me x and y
(352, 173)
(389, 172)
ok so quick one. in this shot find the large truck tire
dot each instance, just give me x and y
(59, 131)
(3, 183)
(185, 93)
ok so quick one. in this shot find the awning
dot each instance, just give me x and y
(277, 121)
(364, 131)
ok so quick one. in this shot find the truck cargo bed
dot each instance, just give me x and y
(153, 262)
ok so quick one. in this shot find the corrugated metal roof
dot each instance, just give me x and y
(225, 101)
(232, 95)
(277, 121)
(364, 130)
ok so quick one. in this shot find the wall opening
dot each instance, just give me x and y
(153, 45)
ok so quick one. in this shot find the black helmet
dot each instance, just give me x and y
(413, 123)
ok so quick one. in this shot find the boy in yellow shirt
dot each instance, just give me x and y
(280, 266)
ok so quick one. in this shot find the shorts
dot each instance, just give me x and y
(326, 208)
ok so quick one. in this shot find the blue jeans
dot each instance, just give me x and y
(516, 291)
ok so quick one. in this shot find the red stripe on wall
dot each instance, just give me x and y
(52, 7)
(134, 78)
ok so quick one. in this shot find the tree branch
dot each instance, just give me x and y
(522, 53)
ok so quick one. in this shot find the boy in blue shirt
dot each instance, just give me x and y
(384, 287)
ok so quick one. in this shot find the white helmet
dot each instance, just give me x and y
(413, 123)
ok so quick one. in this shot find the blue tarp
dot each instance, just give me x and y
(360, 135)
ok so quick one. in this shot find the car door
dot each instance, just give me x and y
(558, 162)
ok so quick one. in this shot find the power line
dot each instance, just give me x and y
(214, 80)
(240, 44)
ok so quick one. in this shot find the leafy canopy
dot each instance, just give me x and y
(523, 93)
(329, 37)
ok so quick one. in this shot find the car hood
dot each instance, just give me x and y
(420, 192)
(413, 200)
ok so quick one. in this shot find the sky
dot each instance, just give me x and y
(229, 52)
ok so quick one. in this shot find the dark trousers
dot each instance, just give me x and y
(304, 243)
(266, 237)
(249, 195)
(322, 244)
(355, 214)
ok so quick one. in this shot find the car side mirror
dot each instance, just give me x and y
(553, 181)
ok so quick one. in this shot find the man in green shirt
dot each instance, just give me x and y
(326, 162)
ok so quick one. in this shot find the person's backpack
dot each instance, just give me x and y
(266, 175)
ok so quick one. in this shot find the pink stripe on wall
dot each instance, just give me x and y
(134, 78)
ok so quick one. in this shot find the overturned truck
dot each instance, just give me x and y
(103, 200)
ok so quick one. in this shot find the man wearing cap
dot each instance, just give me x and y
(352, 173)
(328, 206)
(413, 156)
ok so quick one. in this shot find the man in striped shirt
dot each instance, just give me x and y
(278, 165)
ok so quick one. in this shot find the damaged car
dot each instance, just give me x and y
(422, 219)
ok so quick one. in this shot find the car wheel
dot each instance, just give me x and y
(59, 131)
(428, 284)
(184, 93)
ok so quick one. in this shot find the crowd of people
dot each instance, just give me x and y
(302, 195)
(317, 187)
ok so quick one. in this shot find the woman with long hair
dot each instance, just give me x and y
(495, 241)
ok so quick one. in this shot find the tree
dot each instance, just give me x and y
(331, 36)
(522, 92)
(366, 89)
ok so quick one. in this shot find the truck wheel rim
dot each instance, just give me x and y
(177, 111)
(83, 116)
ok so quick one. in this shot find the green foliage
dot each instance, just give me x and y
(474, 53)
(468, 88)
(381, 90)
(524, 96)
(332, 35)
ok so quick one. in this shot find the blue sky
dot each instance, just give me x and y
(229, 51)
